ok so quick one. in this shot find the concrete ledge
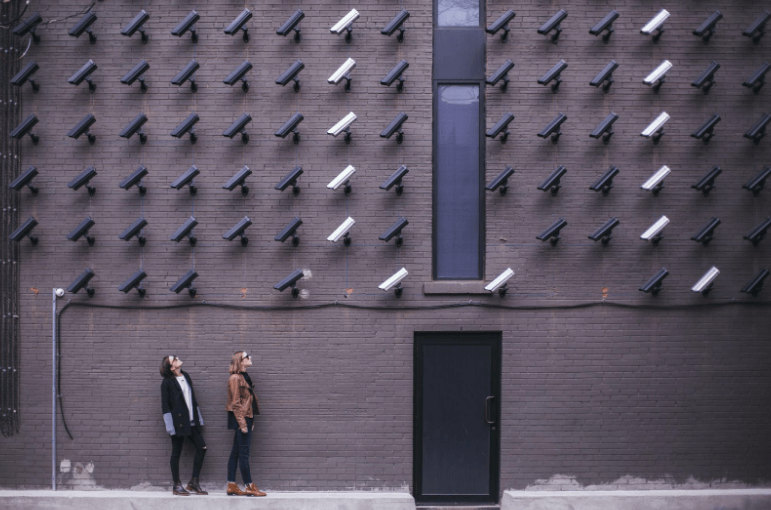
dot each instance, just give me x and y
(140, 500)
(729, 499)
(455, 287)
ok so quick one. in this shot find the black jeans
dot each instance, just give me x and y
(176, 450)
(239, 454)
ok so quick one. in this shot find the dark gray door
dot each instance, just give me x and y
(457, 400)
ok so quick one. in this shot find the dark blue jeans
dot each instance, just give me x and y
(239, 454)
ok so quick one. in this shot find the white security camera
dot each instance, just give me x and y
(342, 232)
(499, 283)
(653, 234)
(343, 177)
(394, 282)
(656, 181)
(59, 292)
(704, 285)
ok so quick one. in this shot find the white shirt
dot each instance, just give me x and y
(187, 394)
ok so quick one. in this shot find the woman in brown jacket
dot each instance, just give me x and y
(241, 407)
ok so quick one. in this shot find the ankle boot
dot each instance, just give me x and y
(234, 490)
(252, 490)
(194, 488)
(178, 490)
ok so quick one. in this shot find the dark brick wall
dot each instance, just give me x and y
(590, 390)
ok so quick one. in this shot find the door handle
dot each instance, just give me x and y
(487, 411)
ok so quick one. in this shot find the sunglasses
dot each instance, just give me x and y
(245, 356)
(172, 359)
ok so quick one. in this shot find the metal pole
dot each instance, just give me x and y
(53, 393)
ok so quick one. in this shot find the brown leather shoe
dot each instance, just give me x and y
(194, 488)
(252, 490)
(234, 490)
(178, 490)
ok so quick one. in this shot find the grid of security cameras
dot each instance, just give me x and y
(654, 131)
(186, 128)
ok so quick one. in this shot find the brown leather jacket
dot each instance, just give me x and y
(239, 399)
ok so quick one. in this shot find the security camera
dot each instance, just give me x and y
(239, 73)
(395, 230)
(291, 74)
(501, 127)
(395, 126)
(290, 281)
(290, 179)
(186, 179)
(186, 282)
(704, 285)
(343, 72)
(758, 233)
(756, 184)
(501, 74)
(758, 78)
(554, 75)
(755, 285)
(706, 29)
(707, 232)
(344, 125)
(187, 24)
(552, 183)
(291, 24)
(656, 24)
(82, 230)
(342, 232)
(396, 180)
(345, 24)
(290, 126)
(707, 130)
(187, 74)
(137, 73)
(706, 79)
(757, 28)
(397, 74)
(502, 23)
(755, 133)
(653, 234)
(653, 286)
(28, 26)
(25, 230)
(186, 230)
(290, 230)
(500, 282)
(707, 183)
(135, 229)
(238, 24)
(238, 230)
(82, 127)
(656, 77)
(655, 129)
(84, 25)
(553, 128)
(605, 128)
(605, 25)
(25, 179)
(655, 182)
(605, 183)
(605, 78)
(397, 23)
(554, 24)
(25, 75)
(135, 126)
(552, 234)
(604, 232)
(186, 126)
(136, 25)
(239, 126)
(394, 282)
(134, 282)
(239, 180)
(25, 128)
(501, 182)
(135, 179)
(83, 179)
(81, 282)
(343, 177)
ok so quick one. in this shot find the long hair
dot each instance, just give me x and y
(166, 368)
(235, 362)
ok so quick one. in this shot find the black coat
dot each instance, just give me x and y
(175, 412)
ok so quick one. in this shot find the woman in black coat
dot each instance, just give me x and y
(183, 419)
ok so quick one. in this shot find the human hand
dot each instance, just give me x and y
(244, 430)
